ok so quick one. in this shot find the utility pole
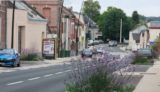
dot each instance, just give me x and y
(59, 27)
(13, 14)
(120, 40)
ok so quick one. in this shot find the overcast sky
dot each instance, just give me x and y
(144, 7)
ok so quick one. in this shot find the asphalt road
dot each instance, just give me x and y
(48, 79)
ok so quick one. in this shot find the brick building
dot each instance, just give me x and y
(50, 9)
(2, 24)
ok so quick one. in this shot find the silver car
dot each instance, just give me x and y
(146, 52)
(112, 43)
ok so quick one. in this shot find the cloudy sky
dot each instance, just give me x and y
(144, 7)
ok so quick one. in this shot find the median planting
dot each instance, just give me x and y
(101, 75)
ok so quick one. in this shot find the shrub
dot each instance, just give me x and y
(30, 55)
(100, 75)
(142, 60)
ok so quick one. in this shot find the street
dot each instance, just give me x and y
(44, 79)
(49, 79)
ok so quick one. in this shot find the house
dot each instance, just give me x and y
(68, 26)
(92, 28)
(81, 32)
(29, 27)
(139, 37)
(50, 9)
(3, 24)
(154, 31)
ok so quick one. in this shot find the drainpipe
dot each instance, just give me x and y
(5, 24)
(13, 14)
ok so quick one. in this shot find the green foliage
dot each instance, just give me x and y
(135, 17)
(109, 23)
(99, 82)
(31, 57)
(92, 9)
(124, 89)
(142, 60)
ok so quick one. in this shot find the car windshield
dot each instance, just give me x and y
(7, 51)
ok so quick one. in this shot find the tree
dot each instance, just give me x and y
(92, 9)
(135, 17)
(109, 24)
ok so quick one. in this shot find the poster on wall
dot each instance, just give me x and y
(48, 47)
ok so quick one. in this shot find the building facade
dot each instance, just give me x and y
(139, 38)
(50, 9)
(68, 28)
(29, 28)
(2, 24)
(81, 32)
(154, 30)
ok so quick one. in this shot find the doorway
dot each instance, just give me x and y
(20, 38)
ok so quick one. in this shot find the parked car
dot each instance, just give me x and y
(87, 53)
(9, 57)
(112, 43)
(146, 52)
(90, 42)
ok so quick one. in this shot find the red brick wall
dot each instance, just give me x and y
(53, 6)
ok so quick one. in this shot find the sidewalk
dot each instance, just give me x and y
(151, 80)
(60, 60)
(38, 64)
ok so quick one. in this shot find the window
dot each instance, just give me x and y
(47, 13)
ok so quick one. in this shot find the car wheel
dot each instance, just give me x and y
(19, 64)
(14, 64)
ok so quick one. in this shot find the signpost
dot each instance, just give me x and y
(49, 48)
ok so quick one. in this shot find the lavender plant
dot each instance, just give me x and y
(100, 75)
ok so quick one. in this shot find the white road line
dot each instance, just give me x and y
(13, 83)
(34, 78)
(58, 72)
(67, 70)
(48, 75)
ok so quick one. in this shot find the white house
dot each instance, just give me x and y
(29, 28)
(154, 31)
(139, 38)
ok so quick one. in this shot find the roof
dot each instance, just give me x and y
(90, 22)
(154, 24)
(86, 20)
(139, 29)
(33, 15)
(81, 17)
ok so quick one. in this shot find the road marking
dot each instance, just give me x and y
(48, 75)
(58, 72)
(34, 78)
(13, 83)
(67, 70)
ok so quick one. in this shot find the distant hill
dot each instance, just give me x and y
(144, 18)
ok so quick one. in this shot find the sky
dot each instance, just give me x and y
(144, 7)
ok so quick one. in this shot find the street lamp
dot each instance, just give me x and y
(13, 14)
